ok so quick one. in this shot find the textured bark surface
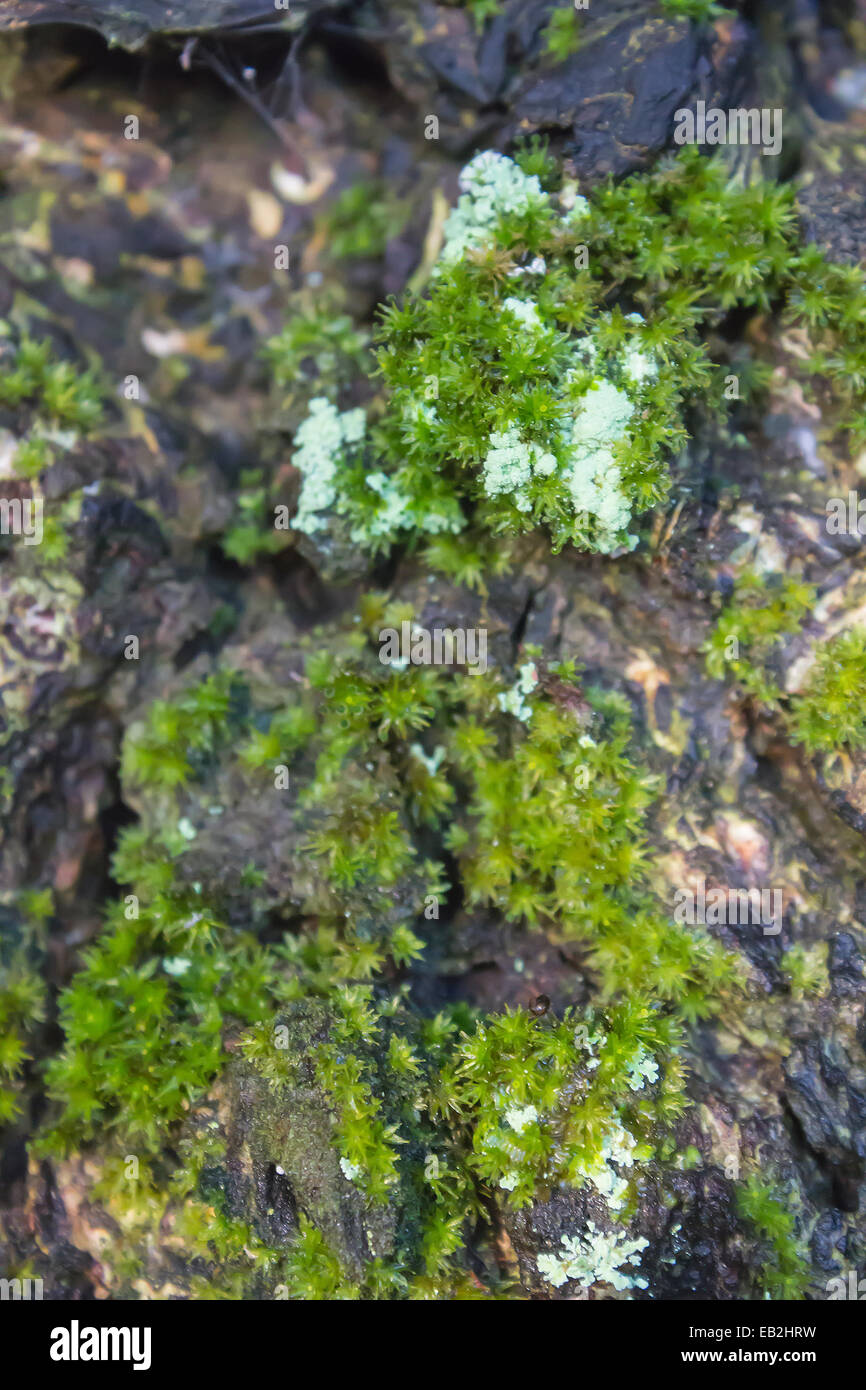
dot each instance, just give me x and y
(155, 257)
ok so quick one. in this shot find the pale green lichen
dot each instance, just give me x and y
(176, 965)
(618, 1147)
(392, 515)
(431, 761)
(587, 464)
(520, 1116)
(492, 186)
(511, 464)
(322, 441)
(514, 701)
(525, 312)
(640, 1069)
(596, 1257)
(594, 476)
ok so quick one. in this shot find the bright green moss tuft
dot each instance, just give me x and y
(566, 1101)
(562, 36)
(320, 347)
(180, 732)
(142, 1021)
(253, 533)
(23, 993)
(361, 220)
(481, 10)
(57, 391)
(702, 11)
(554, 838)
(805, 969)
(830, 710)
(534, 803)
(761, 613)
(544, 377)
(826, 713)
(784, 1275)
(22, 1005)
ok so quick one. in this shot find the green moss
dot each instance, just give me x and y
(554, 838)
(805, 969)
(763, 610)
(830, 710)
(784, 1273)
(519, 786)
(23, 996)
(826, 713)
(481, 10)
(32, 457)
(56, 391)
(702, 11)
(529, 387)
(361, 220)
(253, 533)
(318, 345)
(142, 1021)
(427, 1111)
(178, 733)
(544, 377)
(566, 1101)
(562, 35)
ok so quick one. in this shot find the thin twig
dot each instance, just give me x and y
(225, 73)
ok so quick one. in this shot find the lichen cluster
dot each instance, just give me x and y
(545, 376)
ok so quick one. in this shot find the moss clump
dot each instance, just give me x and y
(360, 221)
(319, 349)
(553, 839)
(567, 1101)
(178, 734)
(254, 532)
(143, 1017)
(142, 1020)
(59, 393)
(762, 611)
(481, 10)
(22, 996)
(826, 713)
(805, 969)
(543, 378)
(540, 810)
(562, 35)
(702, 11)
(48, 405)
(830, 710)
(766, 1208)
